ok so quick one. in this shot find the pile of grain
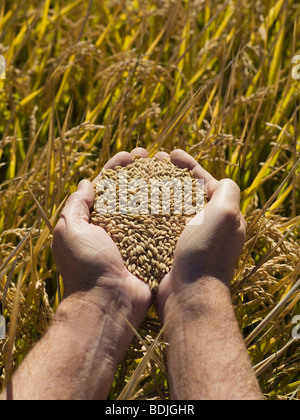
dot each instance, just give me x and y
(146, 231)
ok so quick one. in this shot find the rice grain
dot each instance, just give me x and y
(147, 233)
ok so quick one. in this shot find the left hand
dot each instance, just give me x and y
(90, 262)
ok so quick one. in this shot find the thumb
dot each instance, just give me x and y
(86, 191)
(78, 205)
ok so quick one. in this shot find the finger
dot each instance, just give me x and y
(224, 193)
(78, 205)
(224, 199)
(86, 191)
(120, 159)
(183, 160)
(139, 151)
(225, 196)
(162, 155)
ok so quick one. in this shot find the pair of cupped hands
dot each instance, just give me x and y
(92, 267)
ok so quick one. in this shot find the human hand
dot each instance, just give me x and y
(194, 302)
(210, 249)
(90, 262)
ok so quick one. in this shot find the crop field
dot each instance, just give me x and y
(84, 79)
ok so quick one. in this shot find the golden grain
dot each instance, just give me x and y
(146, 239)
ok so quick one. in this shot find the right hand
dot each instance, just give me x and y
(209, 250)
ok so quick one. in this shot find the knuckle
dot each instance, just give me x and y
(234, 222)
(230, 184)
(230, 214)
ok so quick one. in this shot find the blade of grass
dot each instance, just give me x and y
(133, 382)
(273, 313)
(12, 330)
(263, 260)
(43, 214)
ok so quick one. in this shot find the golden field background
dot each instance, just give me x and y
(86, 79)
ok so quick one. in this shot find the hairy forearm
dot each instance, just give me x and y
(207, 358)
(78, 356)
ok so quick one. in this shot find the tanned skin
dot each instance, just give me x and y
(89, 336)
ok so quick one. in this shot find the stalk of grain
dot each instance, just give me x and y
(146, 230)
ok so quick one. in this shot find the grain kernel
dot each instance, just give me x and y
(146, 241)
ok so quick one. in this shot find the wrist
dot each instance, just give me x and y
(83, 314)
(85, 342)
(115, 298)
(202, 297)
(97, 332)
